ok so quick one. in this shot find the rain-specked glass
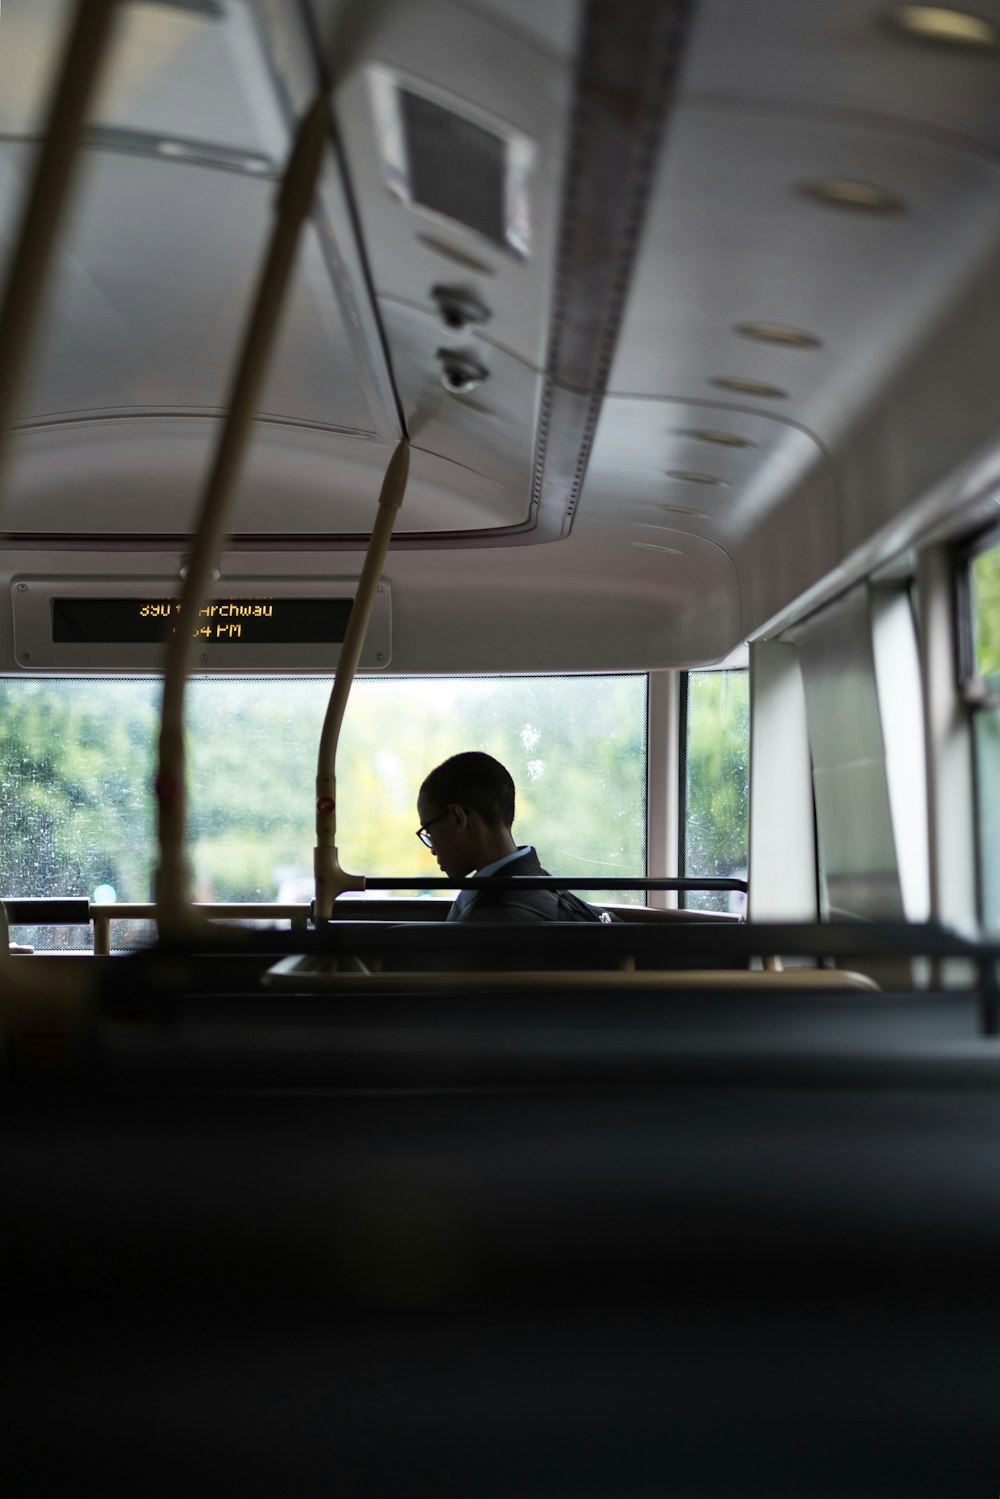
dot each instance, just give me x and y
(716, 789)
(77, 766)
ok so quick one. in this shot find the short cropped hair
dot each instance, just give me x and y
(475, 781)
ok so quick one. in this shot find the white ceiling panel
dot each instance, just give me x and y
(173, 73)
(772, 508)
(152, 289)
(730, 240)
(143, 476)
(841, 58)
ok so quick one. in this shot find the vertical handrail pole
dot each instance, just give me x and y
(35, 242)
(102, 936)
(295, 199)
(46, 201)
(331, 880)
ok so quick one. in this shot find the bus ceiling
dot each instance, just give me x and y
(687, 310)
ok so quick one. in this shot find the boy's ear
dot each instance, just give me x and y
(461, 816)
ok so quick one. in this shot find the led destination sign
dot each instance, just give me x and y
(242, 621)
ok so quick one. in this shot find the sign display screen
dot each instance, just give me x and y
(233, 621)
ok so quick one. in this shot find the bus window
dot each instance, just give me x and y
(715, 784)
(77, 760)
(981, 674)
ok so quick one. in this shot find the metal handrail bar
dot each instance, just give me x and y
(102, 915)
(73, 910)
(720, 941)
(873, 940)
(559, 882)
(78, 911)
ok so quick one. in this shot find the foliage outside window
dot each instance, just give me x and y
(984, 574)
(986, 738)
(716, 784)
(76, 768)
(983, 687)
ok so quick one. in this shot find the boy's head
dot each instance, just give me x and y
(466, 806)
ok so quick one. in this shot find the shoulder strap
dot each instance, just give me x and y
(572, 908)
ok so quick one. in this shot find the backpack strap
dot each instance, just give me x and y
(572, 908)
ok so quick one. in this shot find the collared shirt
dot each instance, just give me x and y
(464, 896)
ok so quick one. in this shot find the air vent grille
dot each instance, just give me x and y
(456, 167)
(453, 159)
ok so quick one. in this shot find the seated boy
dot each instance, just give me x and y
(466, 809)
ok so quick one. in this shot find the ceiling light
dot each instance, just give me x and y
(721, 439)
(846, 192)
(951, 28)
(749, 387)
(654, 546)
(778, 333)
(687, 476)
(682, 510)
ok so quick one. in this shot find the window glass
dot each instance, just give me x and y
(982, 629)
(984, 575)
(716, 784)
(986, 727)
(77, 758)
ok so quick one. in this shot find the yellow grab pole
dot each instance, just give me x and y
(331, 880)
(35, 243)
(46, 201)
(174, 910)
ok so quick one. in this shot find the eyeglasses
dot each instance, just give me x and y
(422, 831)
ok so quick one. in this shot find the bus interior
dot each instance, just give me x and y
(612, 386)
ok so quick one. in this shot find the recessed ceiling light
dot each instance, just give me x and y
(688, 476)
(749, 387)
(721, 439)
(847, 192)
(654, 546)
(778, 333)
(938, 23)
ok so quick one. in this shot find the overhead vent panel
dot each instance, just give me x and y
(456, 167)
(461, 165)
